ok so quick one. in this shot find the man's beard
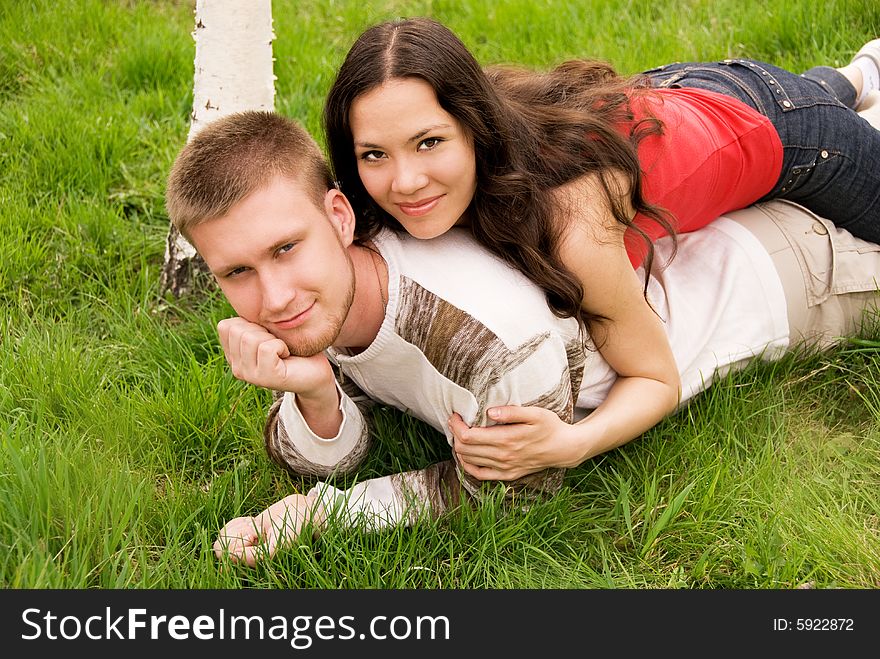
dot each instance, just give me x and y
(306, 346)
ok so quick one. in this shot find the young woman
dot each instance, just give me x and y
(570, 175)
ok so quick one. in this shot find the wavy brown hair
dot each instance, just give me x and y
(531, 132)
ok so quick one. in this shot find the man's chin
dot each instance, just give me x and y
(309, 346)
(308, 351)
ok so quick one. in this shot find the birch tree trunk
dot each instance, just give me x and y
(233, 72)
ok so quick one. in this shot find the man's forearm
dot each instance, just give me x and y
(294, 444)
(398, 499)
(321, 412)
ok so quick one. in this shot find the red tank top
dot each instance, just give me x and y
(715, 155)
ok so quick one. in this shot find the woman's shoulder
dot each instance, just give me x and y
(589, 197)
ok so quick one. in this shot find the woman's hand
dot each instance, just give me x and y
(527, 439)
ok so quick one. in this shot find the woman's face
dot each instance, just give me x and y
(415, 160)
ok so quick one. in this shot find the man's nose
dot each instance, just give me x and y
(278, 293)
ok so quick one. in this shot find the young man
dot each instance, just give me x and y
(441, 327)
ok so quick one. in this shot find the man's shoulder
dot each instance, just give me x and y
(455, 271)
(453, 255)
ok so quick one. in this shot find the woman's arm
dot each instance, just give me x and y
(632, 340)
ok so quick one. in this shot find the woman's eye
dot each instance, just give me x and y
(372, 156)
(429, 143)
(286, 248)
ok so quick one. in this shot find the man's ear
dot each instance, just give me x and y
(341, 215)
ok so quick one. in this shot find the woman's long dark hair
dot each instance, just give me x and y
(531, 134)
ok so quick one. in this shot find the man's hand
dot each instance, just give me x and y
(258, 357)
(251, 539)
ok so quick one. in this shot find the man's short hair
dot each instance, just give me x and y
(236, 155)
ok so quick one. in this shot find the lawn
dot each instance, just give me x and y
(125, 443)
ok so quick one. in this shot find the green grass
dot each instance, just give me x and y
(125, 443)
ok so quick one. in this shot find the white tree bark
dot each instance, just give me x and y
(233, 72)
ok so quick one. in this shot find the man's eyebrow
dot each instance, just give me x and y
(271, 249)
(415, 138)
(274, 247)
(225, 268)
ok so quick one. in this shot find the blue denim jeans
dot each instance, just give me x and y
(831, 155)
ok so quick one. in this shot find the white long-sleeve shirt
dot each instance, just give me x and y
(463, 332)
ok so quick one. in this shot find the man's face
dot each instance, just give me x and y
(281, 262)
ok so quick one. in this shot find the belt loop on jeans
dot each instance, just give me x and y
(779, 94)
